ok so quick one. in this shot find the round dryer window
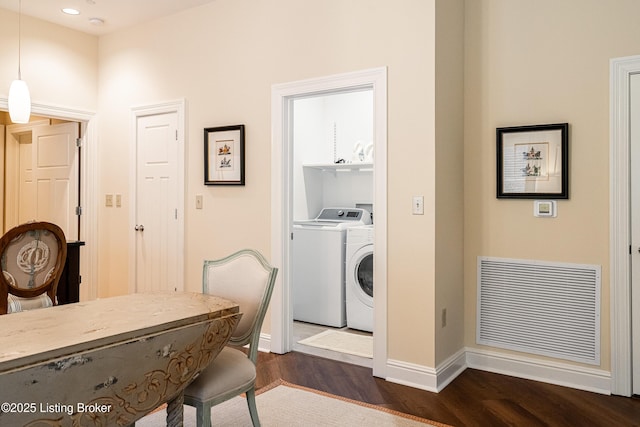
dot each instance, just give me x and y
(364, 274)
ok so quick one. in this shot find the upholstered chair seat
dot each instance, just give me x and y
(227, 372)
(16, 304)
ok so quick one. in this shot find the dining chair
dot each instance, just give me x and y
(32, 258)
(246, 278)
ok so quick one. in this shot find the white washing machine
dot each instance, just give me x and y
(318, 260)
(359, 278)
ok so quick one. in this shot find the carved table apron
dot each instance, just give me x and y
(110, 361)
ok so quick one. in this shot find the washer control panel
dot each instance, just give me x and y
(344, 215)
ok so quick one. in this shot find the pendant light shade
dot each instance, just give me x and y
(19, 102)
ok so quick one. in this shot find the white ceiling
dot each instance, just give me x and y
(116, 14)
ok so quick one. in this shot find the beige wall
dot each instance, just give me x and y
(223, 58)
(531, 63)
(449, 179)
(59, 65)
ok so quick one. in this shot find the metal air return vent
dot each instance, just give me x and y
(539, 307)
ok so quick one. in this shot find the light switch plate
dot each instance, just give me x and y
(418, 205)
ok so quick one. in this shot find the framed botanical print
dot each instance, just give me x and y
(224, 155)
(533, 162)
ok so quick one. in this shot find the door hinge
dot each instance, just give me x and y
(78, 142)
(78, 210)
(291, 235)
(176, 213)
(176, 134)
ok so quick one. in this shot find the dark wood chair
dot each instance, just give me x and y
(32, 257)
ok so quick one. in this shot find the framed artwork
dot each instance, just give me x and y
(224, 155)
(533, 162)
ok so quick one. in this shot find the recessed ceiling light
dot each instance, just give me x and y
(96, 21)
(70, 11)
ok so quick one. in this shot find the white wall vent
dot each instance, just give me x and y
(539, 307)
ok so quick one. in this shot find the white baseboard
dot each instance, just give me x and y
(264, 344)
(412, 375)
(424, 377)
(435, 380)
(574, 376)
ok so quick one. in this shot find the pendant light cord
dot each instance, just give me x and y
(19, 37)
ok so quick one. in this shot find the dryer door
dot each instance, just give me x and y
(363, 272)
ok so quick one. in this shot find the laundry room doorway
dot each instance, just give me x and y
(327, 154)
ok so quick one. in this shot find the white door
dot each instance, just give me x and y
(49, 180)
(157, 208)
(634, 121)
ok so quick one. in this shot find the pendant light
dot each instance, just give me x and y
(19, 98)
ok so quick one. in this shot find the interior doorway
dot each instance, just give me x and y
(332, 167)
(624, 310)
(88, 193)
(283, 98)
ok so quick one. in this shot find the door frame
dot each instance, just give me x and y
(621, 70)
(282, 96)
(88, 187)
(178, 107)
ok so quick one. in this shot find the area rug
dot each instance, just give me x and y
(344, 342)
(289, 405)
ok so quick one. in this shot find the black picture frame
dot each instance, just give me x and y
(224, 155)
(533, 161)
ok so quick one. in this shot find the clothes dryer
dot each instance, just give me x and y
(359, 278)
(318, 261)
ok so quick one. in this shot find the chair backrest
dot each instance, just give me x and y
(32, 258)
(246, 278)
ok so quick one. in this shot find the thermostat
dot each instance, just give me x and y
(545, 209)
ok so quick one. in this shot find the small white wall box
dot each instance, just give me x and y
(545, 208)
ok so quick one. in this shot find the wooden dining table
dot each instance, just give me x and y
(108, 362)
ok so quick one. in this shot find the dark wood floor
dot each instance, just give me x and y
(475, 398)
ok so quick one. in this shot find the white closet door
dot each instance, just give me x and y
(51, 186)
(156, 203)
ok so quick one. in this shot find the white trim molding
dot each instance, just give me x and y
(424, 377)
(515, 365)
(264, 344)
(621, 70)
(412, 375)
(564, 374)
(519, 366)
